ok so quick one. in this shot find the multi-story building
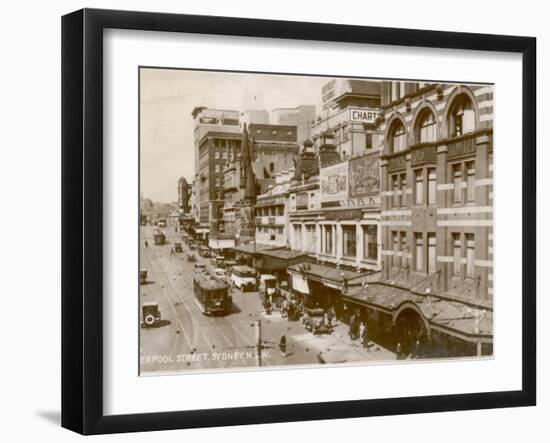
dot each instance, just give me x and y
(437, 217)
(272, 148)
(216, 148)
(226, 124)
(302, 117)
(335, 212)
(183, 196)
(272, 212)
(350, 110)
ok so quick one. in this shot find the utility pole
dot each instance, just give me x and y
(258, 333)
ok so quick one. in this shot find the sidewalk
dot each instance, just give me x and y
(336, 347)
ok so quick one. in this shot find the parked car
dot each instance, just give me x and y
(199, 267)
(314, 321)
(150, 314)
(143, 276)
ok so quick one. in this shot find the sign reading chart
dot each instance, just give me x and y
(363, 115)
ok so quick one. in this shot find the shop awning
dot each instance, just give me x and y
(459, 319)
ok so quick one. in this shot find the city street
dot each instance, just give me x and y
(188, 340)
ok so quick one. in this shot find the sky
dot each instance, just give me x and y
(167, 98)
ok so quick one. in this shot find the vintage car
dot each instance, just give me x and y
(314, 321)
(199, 267)
(191, 257)
(220, 272)
(244, 278)
(143, 276)
(150, 314)
(177, 247)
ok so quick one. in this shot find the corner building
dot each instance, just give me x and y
(437, 213)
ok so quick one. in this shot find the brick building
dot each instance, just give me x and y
(437, 217)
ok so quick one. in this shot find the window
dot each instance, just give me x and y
(217, 168)
(426, 127)
(368, 141)
(328, 239)
(216, 154)
(271, 167)
(470, 255)
(431, 186)
(432, 254)
(462, 117)
(398, 136)
(395, 243)
(349, 241)
(403, 190)
(457, 180)
(418, 186)
(419, 251)
(396, 191)
(470, 184)
(370, 243)
(457, 254)
(298, 237)
(310, 238)
(404, 250)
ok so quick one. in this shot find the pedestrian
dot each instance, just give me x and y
(330, 316)
(362, 334)
(398, 351)
(172, 251)
(146, 244)
(365, 337)
(284, 310)
(417, 348)
(282, 345)
(352, 327)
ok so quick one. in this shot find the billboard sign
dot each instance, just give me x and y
(334, 182)
(363, 115)
(364, 175)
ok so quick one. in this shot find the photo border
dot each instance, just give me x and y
(82, 220)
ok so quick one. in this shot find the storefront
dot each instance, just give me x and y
(277, 261)
(425, 325)
(323, 284)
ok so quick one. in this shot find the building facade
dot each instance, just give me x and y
(216, 148)
(350, 111)
(272, 212)
(334, 210)
(437, 213)
(271, 149)
(302, 117)
(207, 120)
(184, 194)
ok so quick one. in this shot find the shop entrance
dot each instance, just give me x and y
(410, 328)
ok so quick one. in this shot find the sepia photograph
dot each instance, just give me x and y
(298, 221)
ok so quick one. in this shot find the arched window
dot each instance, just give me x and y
(461, 117)
(397, 136)
(425, 127)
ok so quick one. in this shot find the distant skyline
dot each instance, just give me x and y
(167, 98)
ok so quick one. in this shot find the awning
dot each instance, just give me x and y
(451, 317)
(274, 201)
(329, 275)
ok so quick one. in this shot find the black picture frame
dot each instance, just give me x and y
(82, 218)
